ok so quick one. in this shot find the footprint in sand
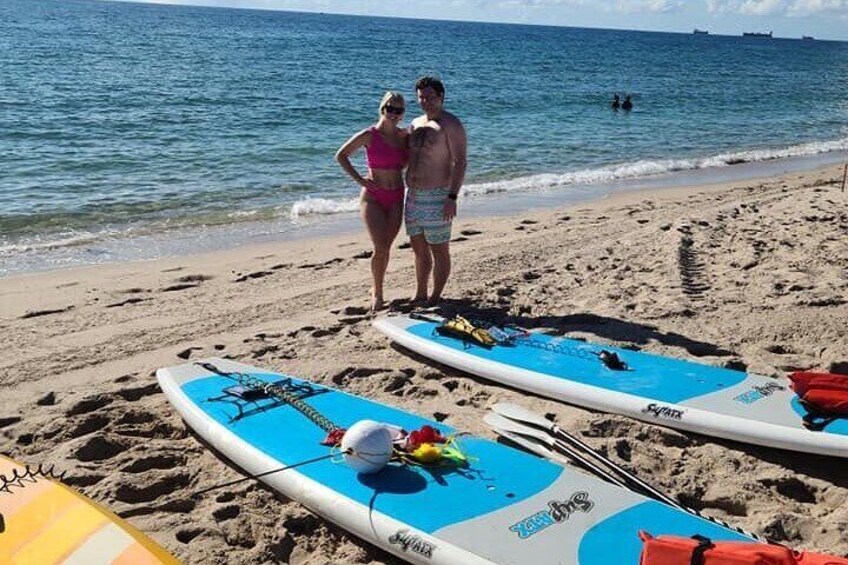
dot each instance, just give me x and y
(254, 275)
(324, 332)
(48, 399)
(9, 421)
(177, 287)
(89, 404)
(163, 486)
(90, 424)
(134, 394)
(163, 462)
(269, 348)
(186, 535)
(39, 313)
(792, 488)
(451, 385)
(320, 266)
(226, 513)
(696, 501)
(349, 373)
(355, 311)
(83, 481)
(126, 302)
(99, 448)
(395, 382)
(186, 353)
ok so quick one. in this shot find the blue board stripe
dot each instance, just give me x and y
(837, 426)
(425, 499)
(618, 535)
(651, 376)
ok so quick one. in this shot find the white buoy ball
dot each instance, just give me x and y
(367, 446)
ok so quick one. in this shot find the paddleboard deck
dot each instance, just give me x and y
(506, 506)
(670, 392)
(44, 522)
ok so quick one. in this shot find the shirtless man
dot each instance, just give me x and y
(434, 177)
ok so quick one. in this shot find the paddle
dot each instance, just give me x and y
(513, 428)
(527, 417)
(530, 420)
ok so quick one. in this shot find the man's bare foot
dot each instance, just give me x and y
(418, 299)
(434, 300)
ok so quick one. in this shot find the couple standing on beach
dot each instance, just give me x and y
(433, 153)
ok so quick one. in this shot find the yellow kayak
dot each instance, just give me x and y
(43, 521)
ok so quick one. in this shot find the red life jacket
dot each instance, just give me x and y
(674, 550)
(822, 394)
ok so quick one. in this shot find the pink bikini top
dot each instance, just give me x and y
(380, 154)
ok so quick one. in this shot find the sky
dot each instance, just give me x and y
(822, 19)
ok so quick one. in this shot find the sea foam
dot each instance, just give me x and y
(608, 174)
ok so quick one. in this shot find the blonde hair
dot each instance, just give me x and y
(390, 96)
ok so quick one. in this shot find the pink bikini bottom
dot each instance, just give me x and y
(387, 198)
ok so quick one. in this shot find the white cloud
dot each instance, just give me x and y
(810, 7)
(747, 7)
(656, 6)
(779, 7)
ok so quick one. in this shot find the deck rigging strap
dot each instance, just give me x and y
(609, 358)
(279, 392)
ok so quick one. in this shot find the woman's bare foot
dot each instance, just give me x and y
(377, 304)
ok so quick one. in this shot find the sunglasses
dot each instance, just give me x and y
(394, 110)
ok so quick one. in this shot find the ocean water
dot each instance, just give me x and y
(139, 130)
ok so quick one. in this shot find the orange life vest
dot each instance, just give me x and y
(698, 550)
(824, 395)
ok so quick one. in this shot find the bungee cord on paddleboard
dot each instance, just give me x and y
(489, 334)
(366, 446)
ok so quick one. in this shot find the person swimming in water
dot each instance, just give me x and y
(616, 102)
(381, 197)
(627, 105)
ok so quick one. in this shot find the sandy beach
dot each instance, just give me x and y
(751, 275)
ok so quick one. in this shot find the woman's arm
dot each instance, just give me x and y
(350, 147)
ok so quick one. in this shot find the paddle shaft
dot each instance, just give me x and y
(505, 426)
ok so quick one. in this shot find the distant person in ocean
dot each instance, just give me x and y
(616, 102)
(437, 162)
(627, 105)
(381, 197)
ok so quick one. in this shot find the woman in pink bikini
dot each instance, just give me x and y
(381, 199)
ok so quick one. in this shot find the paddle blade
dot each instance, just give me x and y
(521, 414)
(498, 423)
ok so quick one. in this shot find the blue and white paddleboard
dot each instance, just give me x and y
(670, 392)
(505, 506)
